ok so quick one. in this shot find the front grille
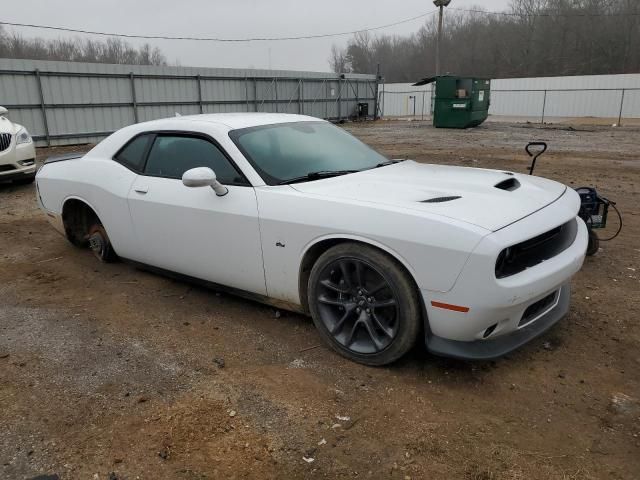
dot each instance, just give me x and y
(5, 141)
(6, 168)
(538, 308)
(529, 253)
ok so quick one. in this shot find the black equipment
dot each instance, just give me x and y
(594, 208)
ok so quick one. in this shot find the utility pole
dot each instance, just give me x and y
(440, 4)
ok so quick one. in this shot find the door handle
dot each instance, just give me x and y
(141, 190)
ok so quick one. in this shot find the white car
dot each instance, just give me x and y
(17, 152)
(301, 214)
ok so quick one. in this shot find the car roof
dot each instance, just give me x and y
(237, 120)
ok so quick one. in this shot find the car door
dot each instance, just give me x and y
(192, 231)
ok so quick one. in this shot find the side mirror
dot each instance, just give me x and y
(203, 177)
(3, 111)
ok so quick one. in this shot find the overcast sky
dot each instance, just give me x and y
(233, 19)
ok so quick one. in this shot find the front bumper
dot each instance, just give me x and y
(18, 162)
(22, 174)
(501, 345)
(494, 314)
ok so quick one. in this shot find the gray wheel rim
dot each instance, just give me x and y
(357, 305)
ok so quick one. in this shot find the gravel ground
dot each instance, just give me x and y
(109, 372)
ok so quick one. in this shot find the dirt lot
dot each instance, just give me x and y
(109, 372)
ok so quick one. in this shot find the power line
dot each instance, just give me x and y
(549, 14)
(309, 37)
(215, 39)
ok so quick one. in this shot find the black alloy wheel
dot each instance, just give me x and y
(364, 304)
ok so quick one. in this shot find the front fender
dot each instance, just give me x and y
(360, 239)
(432, 250)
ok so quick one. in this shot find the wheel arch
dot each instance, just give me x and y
(77, 217)
(318, 246)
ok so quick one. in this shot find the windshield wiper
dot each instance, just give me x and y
(389, 162)
(332, 173)
(317, 175)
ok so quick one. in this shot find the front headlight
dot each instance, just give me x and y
(23, 136)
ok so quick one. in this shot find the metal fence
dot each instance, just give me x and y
(79, 104)
(611, 103)
(529, 104)
(406, 103)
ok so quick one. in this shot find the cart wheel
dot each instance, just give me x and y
(594, 243)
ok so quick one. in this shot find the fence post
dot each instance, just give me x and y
(255, 94)
(326, 100)
(356, 91)
(383, 96)
(422, 113)
(621, 106)
(134, 102)
(375, 104)
(544, 105)
(199, 94)
(246, 91)
(432, 100)
(300, 97)
(43, 108)
(340, 98)
(275, 89)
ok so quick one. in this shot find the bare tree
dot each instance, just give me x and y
(338, 61)
(543, 38)
(113, 50)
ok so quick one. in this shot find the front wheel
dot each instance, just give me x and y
(364, 304)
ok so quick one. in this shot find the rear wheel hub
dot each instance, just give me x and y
(97, 244)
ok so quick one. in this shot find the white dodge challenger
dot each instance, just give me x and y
(294, 211)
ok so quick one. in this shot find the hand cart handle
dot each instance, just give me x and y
(536, 155)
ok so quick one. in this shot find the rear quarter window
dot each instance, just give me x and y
(132, 155)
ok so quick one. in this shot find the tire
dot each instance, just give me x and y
(100, 244)
(594, 243)
(364, 304)
(24, 181)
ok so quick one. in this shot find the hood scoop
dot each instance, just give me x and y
(441, 199)
(510, 184)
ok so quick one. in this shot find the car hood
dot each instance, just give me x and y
(491, 199)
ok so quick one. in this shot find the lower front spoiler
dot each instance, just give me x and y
(499, 346)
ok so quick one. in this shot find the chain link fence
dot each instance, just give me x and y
(536, 105)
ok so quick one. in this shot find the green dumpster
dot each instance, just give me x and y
(460, 102)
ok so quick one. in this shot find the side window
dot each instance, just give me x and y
(132, 155)
(172, 155)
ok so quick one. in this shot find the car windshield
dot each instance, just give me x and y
(289, 152)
